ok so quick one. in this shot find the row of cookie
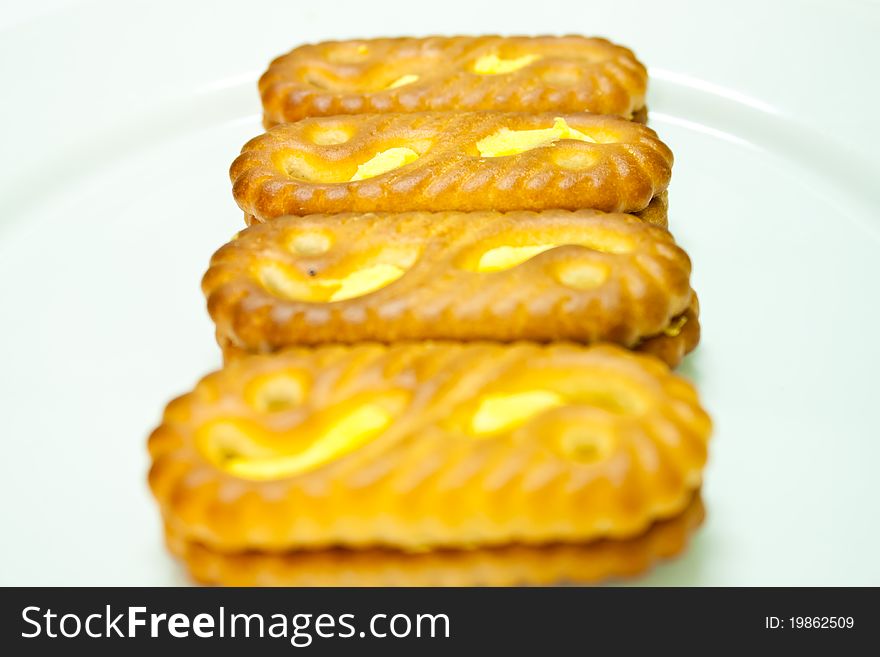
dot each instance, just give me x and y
(508, 565)
(465, 73)
(584, 276)
(440, 444)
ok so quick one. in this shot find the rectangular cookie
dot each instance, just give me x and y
(507, 565)
(438, 161)
(428, 445)
(515, 74)
(585, 276)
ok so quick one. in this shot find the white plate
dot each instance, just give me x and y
(120, 121)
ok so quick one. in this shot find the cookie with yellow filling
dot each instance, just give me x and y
(585, 276)
(678, 339)
(523, 74)
(428, 445)
(508, 565)
(435, 161)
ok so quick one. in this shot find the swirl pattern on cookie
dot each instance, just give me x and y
(523, 74)
(584, 276)
(465, 161)
(428, 445)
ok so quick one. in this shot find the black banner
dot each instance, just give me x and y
(434, 621)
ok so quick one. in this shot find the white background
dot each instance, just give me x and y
(119, 121)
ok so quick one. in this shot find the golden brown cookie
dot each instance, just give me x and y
(428, 445)
(670, 346)
(514, 74)
(678, 339)
(508, 565)
(584, 276)
(450, 161)
(655, 214)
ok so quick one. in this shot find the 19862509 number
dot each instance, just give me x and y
(821, 622)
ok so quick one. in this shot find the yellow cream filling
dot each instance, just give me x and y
(385, 161)
(237, 453)
(507, 257)
(358, 283)
(675, 327)
(502, 412)
(510, 142)
(495, 65)
(512, 254)
(403, 80)
(365, 281)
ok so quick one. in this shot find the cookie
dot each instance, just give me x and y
(676, 340)
(428, 445)
(467, 161)
(508, 565)
(584, 276)
(655, 214)
(521, 74)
